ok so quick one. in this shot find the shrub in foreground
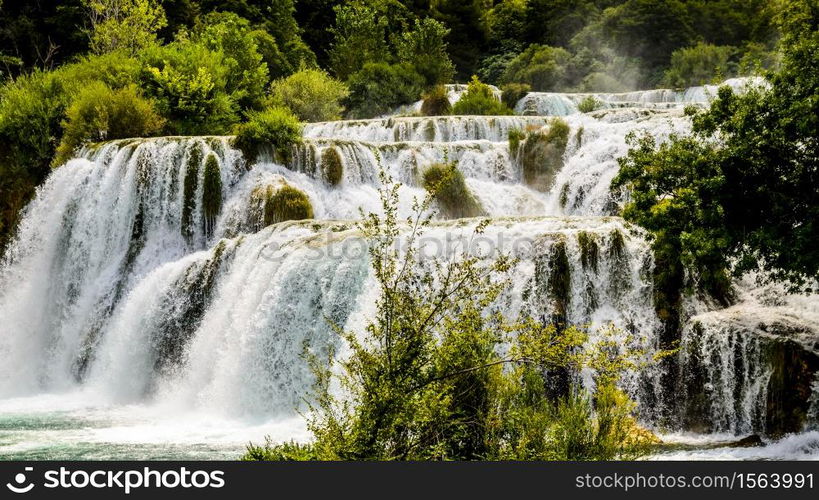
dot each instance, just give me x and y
(428, 379)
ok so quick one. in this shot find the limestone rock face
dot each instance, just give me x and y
(751, 368)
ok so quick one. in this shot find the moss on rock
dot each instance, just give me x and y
(211, 193)
(541, 154)
(287, 203)
(191, 183)
(515, 136)
(560, 282)
(589, 250)
(446, 183)
(332, 166)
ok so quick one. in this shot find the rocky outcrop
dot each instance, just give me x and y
(749, 368)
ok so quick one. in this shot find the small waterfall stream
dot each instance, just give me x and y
(122, 290)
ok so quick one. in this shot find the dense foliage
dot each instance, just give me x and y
(311, 94)
(427, 379)
(741, 194)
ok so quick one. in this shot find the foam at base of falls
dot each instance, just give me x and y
(97, 227)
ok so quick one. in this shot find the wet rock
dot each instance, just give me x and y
(748, 442)
(748, 369)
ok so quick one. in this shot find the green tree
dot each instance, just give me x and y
(129, 25)
(232, 37)
(425, 48)
(358, 39)
(40, 34)
(467, 35)
(649, 30)
(543, 68)
(740, 194)
(699, 65)
(275, 17)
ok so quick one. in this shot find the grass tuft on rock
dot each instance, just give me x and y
(447, 185)
(541, 154)
(589, 250)
(515, 136)
(331, 166)
(190, 185)
(287, 203)
(589, 104)
(436, 102)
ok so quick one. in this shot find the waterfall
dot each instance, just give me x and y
(143, 271)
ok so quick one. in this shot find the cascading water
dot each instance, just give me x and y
(143, 289)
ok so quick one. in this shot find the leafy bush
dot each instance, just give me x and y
(273, 130)
(699, 65)
(588, 104)
(479, 99)
(379, 88)
(514, 92)
(99, 113)
(190, 84)
(436, 102)
(287, 203)
(311, 94)
(540, 66)
(448, 188)
(541, 154)
(332, 166)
